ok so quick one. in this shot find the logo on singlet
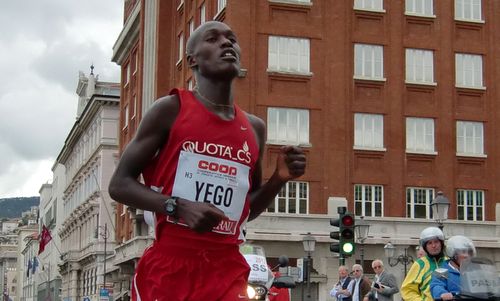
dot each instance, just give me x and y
(227, 152)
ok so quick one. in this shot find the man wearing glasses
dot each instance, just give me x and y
(384, 286)
(360, 285)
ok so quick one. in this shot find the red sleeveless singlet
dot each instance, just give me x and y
(206, 159)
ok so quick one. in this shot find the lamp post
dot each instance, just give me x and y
(440, 206)
(309, 245)
(362, 228)
(404, 259)
(104, 234)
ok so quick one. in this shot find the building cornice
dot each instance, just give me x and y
(128, 36)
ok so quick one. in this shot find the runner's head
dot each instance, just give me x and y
(213, 51)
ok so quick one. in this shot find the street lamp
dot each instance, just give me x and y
(404, 259)
(105, 235)
(362, 228)
(309, 245)
(440, 206)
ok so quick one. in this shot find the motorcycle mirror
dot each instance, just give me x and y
(283, 261)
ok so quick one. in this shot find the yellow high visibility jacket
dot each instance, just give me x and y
(416, 285)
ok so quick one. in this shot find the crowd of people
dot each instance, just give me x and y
(421, 283)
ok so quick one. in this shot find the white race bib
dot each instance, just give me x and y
(221, 182)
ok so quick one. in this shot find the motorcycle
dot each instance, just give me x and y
(261, 278)
(479, 280)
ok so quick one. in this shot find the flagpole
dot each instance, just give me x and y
(48, 283)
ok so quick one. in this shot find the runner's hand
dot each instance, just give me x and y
(291, 163)
(199, 216)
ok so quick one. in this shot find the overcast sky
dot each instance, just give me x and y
(43, 45)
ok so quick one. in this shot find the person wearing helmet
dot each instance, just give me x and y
(459, 249)
(416, 285)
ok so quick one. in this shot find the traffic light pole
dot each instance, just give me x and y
(341, 259)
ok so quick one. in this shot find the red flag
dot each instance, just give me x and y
(44, 239)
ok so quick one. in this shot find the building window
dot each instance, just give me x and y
(221, 4)
(420, 7)
(368, 131)
(288, 54)
(190, 84)
(470, 138)
(180, 4)
(419, 66)
(203, 13)
(468, 10)
(125, 116)
(469, 70)
(368, 200)
(470, 205)
(293, 198)
(368, 61)
(285, 126)
(134, 106)
(191, 26)
(127, 74)
(419, 135)
(369, 5)
(418, 202)
(136, 61)
(181, 47)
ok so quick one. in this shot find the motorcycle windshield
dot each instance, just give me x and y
(479, 279)
(256, 260)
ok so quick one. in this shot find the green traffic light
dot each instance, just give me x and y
(348, 248)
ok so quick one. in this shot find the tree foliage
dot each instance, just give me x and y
(14, 207)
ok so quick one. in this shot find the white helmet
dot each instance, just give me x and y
(459, 243)
(430, 233)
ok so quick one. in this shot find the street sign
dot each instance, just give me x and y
(103, 294)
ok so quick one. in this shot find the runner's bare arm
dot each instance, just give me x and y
(151, 135)
(290, 164)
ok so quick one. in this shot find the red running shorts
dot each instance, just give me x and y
(191, 271)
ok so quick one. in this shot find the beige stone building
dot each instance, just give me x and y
(76, 204)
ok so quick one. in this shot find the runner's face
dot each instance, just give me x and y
(433, 246)
(217, 52)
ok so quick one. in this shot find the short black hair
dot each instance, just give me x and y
(195, 36)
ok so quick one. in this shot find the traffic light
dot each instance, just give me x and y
(347, 243)
(345, 235)
(335, 246)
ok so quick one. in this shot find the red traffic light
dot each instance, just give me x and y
(347, 234)
(348, 220)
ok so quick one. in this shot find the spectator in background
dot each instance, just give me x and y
(360, 285)
(384, 285)
(340, 290)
